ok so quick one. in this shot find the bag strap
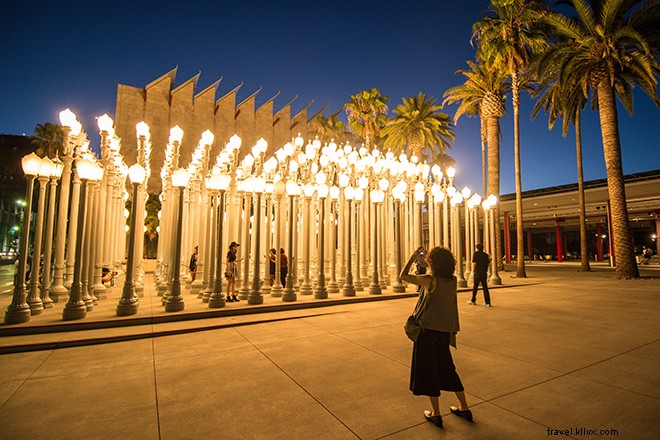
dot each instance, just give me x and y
(423, 300)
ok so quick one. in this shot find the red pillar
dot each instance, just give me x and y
(559, 243)
(657, 235)
(507, 237)
(599, 243)
(530, 247)
(610, 238)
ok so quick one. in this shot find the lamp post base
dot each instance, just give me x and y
(36, 307)
(255, 298)
(217, 301)
(175, 304)
(289, 296)
(398, 288)
(17, 315)
(495, 280)
(321, 292)
(127, 308)
(74, 311)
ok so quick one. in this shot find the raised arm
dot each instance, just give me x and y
(418, 280)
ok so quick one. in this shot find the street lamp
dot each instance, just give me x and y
(492, 201)
(219, 182)
(174, 301)
(75, 307)
(19, 311)
(333, 286)
(466, 192)
(279, 189)
(129, 302)
(321, 292)
(349, 288)
(399, 195)
(292, 190)
(359, 233)
(306, 287)
(258, 187)
(46, 281)
(34, 300)
(377, 196)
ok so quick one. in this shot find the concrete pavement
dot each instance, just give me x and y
(561, 354)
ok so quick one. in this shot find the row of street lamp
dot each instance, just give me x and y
(319, 197)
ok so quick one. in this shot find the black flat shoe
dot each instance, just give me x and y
(467, 414)
(436, 420)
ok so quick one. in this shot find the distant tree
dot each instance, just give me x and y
(418, 127)
(329, 128)
(367, 115)
(48, 139)
(152, 207)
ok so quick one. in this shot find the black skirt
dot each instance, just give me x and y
(432, 367)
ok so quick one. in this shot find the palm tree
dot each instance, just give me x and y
(482, 94)
(48, 139)
(510, 38)
(329, 128)
(608, 51)
(367, 114)
(419, 128)
(565, 101)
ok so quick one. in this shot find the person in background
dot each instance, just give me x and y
(231, 270)
(480, 262)
(284, 267)
(272, 260)
(192, 267)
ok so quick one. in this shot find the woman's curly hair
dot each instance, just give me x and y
(442, 262)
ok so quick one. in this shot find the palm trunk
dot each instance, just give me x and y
(520, 252)
(493, 130)
(484, 162)
(584, 252)
(626, 265)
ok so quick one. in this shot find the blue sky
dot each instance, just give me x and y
(73, 54)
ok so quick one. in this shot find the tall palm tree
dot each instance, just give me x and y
(420, 128)
(367, 114)
(565, 101)
(608, 51)
(48, 139)
(510, 38)
(482, 94)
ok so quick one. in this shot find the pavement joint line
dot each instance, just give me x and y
(153, 360)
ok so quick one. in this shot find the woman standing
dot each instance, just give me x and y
(432, 367)
(230, 271)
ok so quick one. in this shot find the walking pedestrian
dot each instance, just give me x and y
(432, 369)
(480, 262)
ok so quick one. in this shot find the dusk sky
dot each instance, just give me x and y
(73, 54)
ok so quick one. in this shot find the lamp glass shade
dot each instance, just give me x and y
(180, 178)
(259, 185)
(137, 173)
(235, 142)
(223, 181)
(485, 205)
(451, 191)
(76, 128)
(377, 196)
(248, 160)
(97, 171)
(58, 167)
(439, 197)
(46, 168)
(492, 199)
(322, 191)
(321, 178)
(176, 134)
(85, 168)
(279, 188)
(419, 195)
(451, 172)
(334, 192)
(363, 182)
(383, 184)
(31, 164)
(476, 199)
(67, 118)
(359, 194)
(308, 190)
(466, 192)
(349, 192)
(207, 137)
(105, 123)
(142, 129)
(292, 188)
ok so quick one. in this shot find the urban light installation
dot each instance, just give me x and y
(174, 301)
(129, 302)
(279, 189)
(358, 194)
(19, 311)
(321, 292)
(220, 182)
(466, 192)
(292, 190)
(306, 287)
(333, 286)
(75, 307)
(34, 300)
(458, 243)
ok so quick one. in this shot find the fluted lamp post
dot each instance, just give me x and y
(349, 288)
(377, 197)
(495, 277)
(258, 187)
(466, 192)
(19, 311)
(34, 299)
(55, 175)
(75, 307)
(399, 194)
(218, 181)
(321, 291)
(129, 301)
(292, 190)
(174, 302)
